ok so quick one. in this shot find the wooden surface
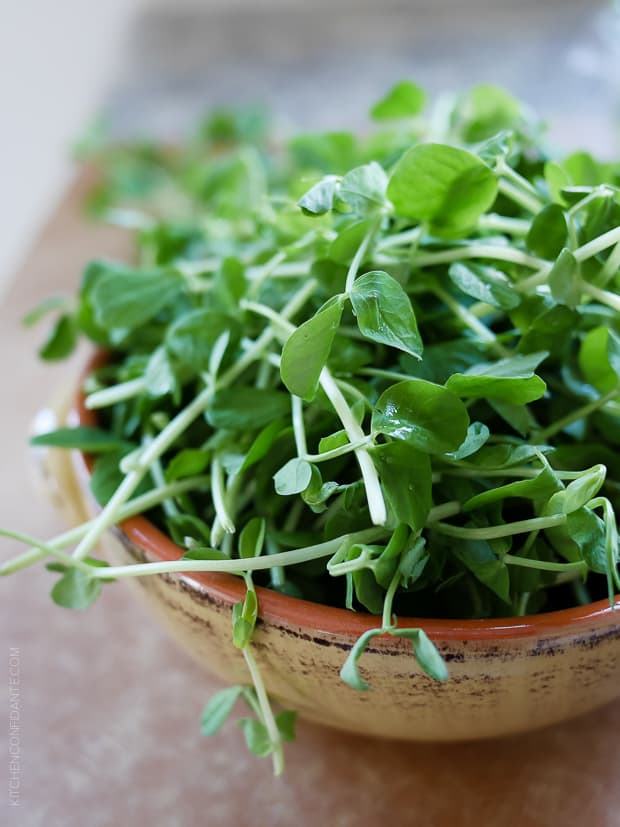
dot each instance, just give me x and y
(110, 707)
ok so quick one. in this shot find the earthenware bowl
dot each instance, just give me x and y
(506, 676)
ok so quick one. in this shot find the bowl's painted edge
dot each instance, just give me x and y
(293, 611)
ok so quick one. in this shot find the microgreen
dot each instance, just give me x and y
(377, 372)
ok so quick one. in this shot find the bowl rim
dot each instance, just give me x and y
(282, 609)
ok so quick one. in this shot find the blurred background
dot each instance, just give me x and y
(154, 66)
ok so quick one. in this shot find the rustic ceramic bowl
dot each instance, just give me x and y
(506, 676)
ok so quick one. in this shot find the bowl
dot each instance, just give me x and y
(506, 675)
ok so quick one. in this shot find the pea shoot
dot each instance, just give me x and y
(377, 372)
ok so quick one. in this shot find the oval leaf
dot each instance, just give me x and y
(428, 416)
(384, 312)
(307, 349)
(444, 185)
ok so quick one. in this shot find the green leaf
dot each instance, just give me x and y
(363, 189)
(76, 590)
(564, 281)
(218, 709)
(384, 312)
(204, 553)
(556, 178)
(252, 538)
(548, 233)
(387, 563)
(182, 526)
(61, 341)
(484, 283)
(332, 441)
(262, 444)
(587, 531)
(256, 737)
(333, 152)
(477, 435)
(293, 478)
(285, 721)
(599, 358)
(192, 337)
(307, 349)
(243, 619)
(44, 307)
(405, 475)
(487, 109)
(81, 438)
(478, 557)
(106, 477)
(367, 591)
(413, 562)
(159, 375)
(428, 416)
(350, 672)
(443, 185)
(345, 245)
(578, 493)
(538, 489)
(187, 463)
(125, 297)
(509, 380)
(404, 100)
(244, 407)
(426, 653)
(319, 199)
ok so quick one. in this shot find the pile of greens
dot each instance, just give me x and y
(377, 372)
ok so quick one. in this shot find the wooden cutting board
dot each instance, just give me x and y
(110, 707)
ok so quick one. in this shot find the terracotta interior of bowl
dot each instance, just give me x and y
(280, 608)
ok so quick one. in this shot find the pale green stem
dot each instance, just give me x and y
(283, 558)
(136, 506)
(603, 296)
(276, 574)
(299, 429)
(442, 511)
(490, 251)
(502, 168)
(266, 712)
(157, 474)
(115, 393)
(576, 415)
(338, 452)
(495, 531)
(543, 565)
(46, 549)
(611, 266)
(518, 472)
(400, 239)
(519, 196)
(504, 224)
(471, 321)
(223, 522)
(359, 257)
(599, 192)
(374, 494)
(387, 619)
(384, 374)
(522, 605)
(182, 421)
(597, 245)
(537, 278)
(266, 270)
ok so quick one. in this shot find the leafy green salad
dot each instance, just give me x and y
(378, 372)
